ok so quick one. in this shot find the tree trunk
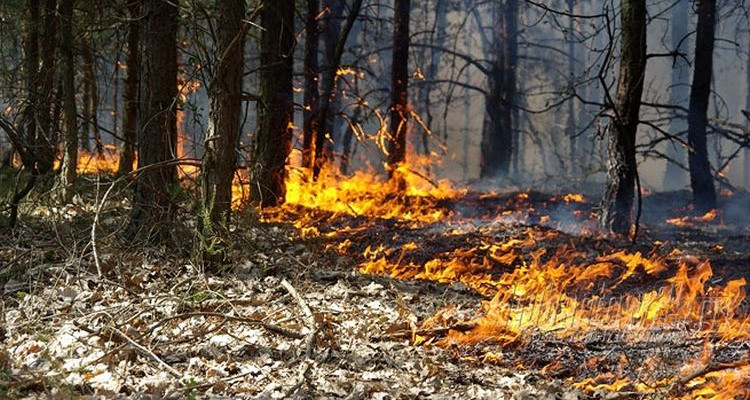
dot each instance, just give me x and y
(348, 138)
(89, 74)
(617, 205)
(399, 86)
(332, 35)
(328, 86)
(70, 156)
(312, 94)
(497, 134)
(701, 179)
(130, 92)
(44, 144)
(747, 115)
(31, 48)
(273, 141)
(225, 95)
(571, 125)
(679, 92)
(437, 38)
(85, 141)
(153, 205)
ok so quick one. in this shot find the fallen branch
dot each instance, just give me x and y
(309, 318)
(433, 332)
(290, 333)
(144, 350)
(709, 368)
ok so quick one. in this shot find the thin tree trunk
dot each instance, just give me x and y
(328, 86)
(617, 207)
(153, 205)
(70, 156)
(31, 48)
(438, 40)
(467, 118)
(226, 104)
(85, 141)
(273, 141)
(312, 94)
(497, 134)
(571, 124)
(679, 92)
(399, 86)
(747, 115)
(331, 38)
(130, 95)
(44, 145)
(349, 133)
(701, 179)
(89, 74)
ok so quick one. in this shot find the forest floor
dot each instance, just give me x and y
(292, 316)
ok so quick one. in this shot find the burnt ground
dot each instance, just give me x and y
(291, 316)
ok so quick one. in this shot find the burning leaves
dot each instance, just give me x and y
(710, 217)
(543, 285)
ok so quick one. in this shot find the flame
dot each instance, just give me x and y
(689, 221)
(529, 289)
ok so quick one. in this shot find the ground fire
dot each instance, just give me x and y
(356, 199)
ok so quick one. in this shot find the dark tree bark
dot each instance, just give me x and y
(399, 85)
(328, 86)
(44, 143)
(70, 155)
(34, 140)
(701, 179)
(571, 124)
(312, 93)
(497, 134)
(153, 206)
(31, 48)
(331, 38)
(438, 38)
(617, 207)
(273, 141)
(130, 92)
(85, 141)
(679, 92)
(226, 104)
(89, 74)
(747, 115)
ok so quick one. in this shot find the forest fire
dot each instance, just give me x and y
(404, 199)
(537, 282)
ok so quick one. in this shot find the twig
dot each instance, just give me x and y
(95, 223)
(290, 333)
(309, 318)
(710, 367)
(441, 331)
(149, 353)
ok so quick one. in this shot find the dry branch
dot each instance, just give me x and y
(309, 318)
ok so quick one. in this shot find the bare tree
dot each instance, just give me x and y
(701, 179)
(273, 140)
(399, 85)
(130, 94)
(312, 93)
(153, 204)
(70, 155)
(679, 92)
(225, 95)
(617, 206)
(497, 133)
(328, 86)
